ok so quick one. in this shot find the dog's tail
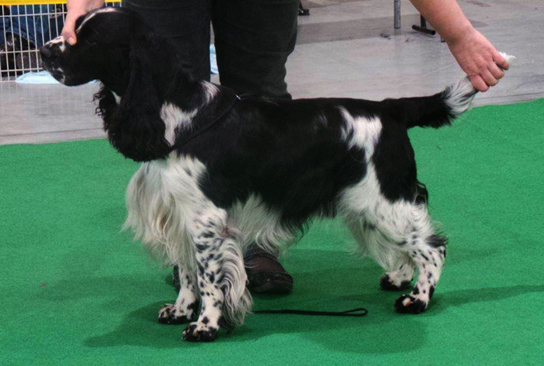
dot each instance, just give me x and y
(433, 111)
(436, 110)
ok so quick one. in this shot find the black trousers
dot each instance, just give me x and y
(253, 38)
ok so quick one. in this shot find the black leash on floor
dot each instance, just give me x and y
(358, 312)
(353, 312)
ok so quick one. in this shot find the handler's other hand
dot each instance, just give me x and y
(77, 8)
(479, 59)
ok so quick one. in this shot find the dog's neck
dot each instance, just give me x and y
(192, 106)
(182, 89)
(117, 83)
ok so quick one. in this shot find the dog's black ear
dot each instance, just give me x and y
(106, 103)
(136, 129)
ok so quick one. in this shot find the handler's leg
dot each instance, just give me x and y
(253, 40)
(186, 23)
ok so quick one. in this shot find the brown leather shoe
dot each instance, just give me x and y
(265, 274)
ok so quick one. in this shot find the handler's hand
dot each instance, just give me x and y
(77, 8)
(479, 59)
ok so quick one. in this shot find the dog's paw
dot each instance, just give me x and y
(198, 332)
(408, 304)
(167, 316)
(387, 284)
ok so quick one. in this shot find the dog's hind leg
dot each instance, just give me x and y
(372, 242)
(221, 276)
(183, 310)
(428, 251)
(409, 226)
(399, 235)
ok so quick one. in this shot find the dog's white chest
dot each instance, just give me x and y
(162, 198)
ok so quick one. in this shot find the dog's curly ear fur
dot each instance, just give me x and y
(106, 103)
(135, 127)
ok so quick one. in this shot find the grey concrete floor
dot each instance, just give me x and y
(345, 48)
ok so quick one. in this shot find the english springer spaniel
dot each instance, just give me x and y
(220, 173)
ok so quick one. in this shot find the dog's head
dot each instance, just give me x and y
(106, 38)
(116, 47)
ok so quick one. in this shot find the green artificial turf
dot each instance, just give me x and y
(74, 290)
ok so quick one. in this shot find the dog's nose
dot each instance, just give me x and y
(53, 48)
(46, 52)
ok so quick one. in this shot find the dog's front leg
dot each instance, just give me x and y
(186, 304)
(221, 277)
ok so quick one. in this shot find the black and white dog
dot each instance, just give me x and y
(220, 173)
